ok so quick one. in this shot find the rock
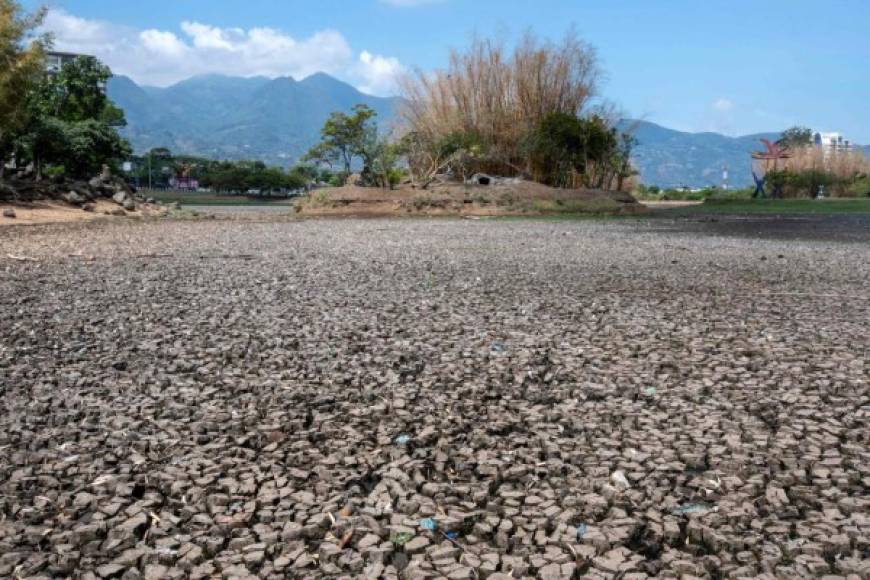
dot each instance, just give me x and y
(9, 213)
(120, 197)
(89, 207)
(129, 205)
(417, 545)
(74, 198)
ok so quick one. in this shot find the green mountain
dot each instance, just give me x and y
(275, 120)
(670, 158)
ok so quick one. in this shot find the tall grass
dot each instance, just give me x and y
(500, 96)
(841, 164)
(841, 173)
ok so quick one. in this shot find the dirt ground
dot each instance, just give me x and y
(435, 398)
(47, 212)
(446, 199)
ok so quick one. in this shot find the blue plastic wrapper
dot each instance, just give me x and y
(428, 524)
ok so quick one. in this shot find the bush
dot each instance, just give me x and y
(477, 114)
(561, 148)
(860, 187)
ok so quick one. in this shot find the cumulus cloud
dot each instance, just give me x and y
(723, 105)
(378, 73)
(162, 57)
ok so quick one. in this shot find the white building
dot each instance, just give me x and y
(831, 142)
(54, 61)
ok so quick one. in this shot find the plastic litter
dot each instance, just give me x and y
(451, 535)
(649, 391)
(428, 524)
(581, 531)
(497, 347)
(401, 539)
(692, 508)
(403, 439)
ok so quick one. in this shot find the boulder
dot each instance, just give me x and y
(120, 197)
(74, 198)
(129, 204)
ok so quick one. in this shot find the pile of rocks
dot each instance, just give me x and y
(429, 399)
(25, 187)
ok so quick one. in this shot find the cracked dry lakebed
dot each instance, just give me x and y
(277, 398)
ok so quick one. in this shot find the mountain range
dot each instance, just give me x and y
(277, 120)
(221, 117)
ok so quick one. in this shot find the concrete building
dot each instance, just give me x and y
(831, 142)
(54, 61)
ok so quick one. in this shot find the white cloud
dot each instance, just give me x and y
(723, 105)
(162, 57)
(379, 74)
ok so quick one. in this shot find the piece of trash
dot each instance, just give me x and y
(497, 347)
(21, 258)
(403, 439)
(581, 531)
(451, 535)
(428, 524)
(345, 539)
(401, 539)
(618, 478)
(649, 391)
(692, 508)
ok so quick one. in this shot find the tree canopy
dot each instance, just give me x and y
(21, 65)
(795, 137)
(343, 138)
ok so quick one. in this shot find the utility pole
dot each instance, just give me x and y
(149, 170)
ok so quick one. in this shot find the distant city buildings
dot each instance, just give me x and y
(831, 142)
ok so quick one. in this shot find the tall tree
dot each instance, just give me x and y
(72, 121)
(343, 137)
(796, 137)
(78, 93)
(21, 64)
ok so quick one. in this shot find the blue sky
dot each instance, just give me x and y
(732, 66)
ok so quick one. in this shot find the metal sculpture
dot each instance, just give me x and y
(761, 164)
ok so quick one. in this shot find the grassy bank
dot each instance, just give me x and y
(772, 207)
(196, 198)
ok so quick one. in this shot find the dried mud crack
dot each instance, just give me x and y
(428, 399)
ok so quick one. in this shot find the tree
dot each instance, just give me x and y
(72, 121)
(565, 148)
(77, 93)
(342, 138)
(379, 158)
(796, 137)
(20, 68)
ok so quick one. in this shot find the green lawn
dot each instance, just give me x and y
(196, 198)
(772, 207)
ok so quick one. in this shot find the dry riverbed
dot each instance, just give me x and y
(434, 398)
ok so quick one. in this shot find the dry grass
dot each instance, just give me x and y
(842, 164)
(499, 96)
